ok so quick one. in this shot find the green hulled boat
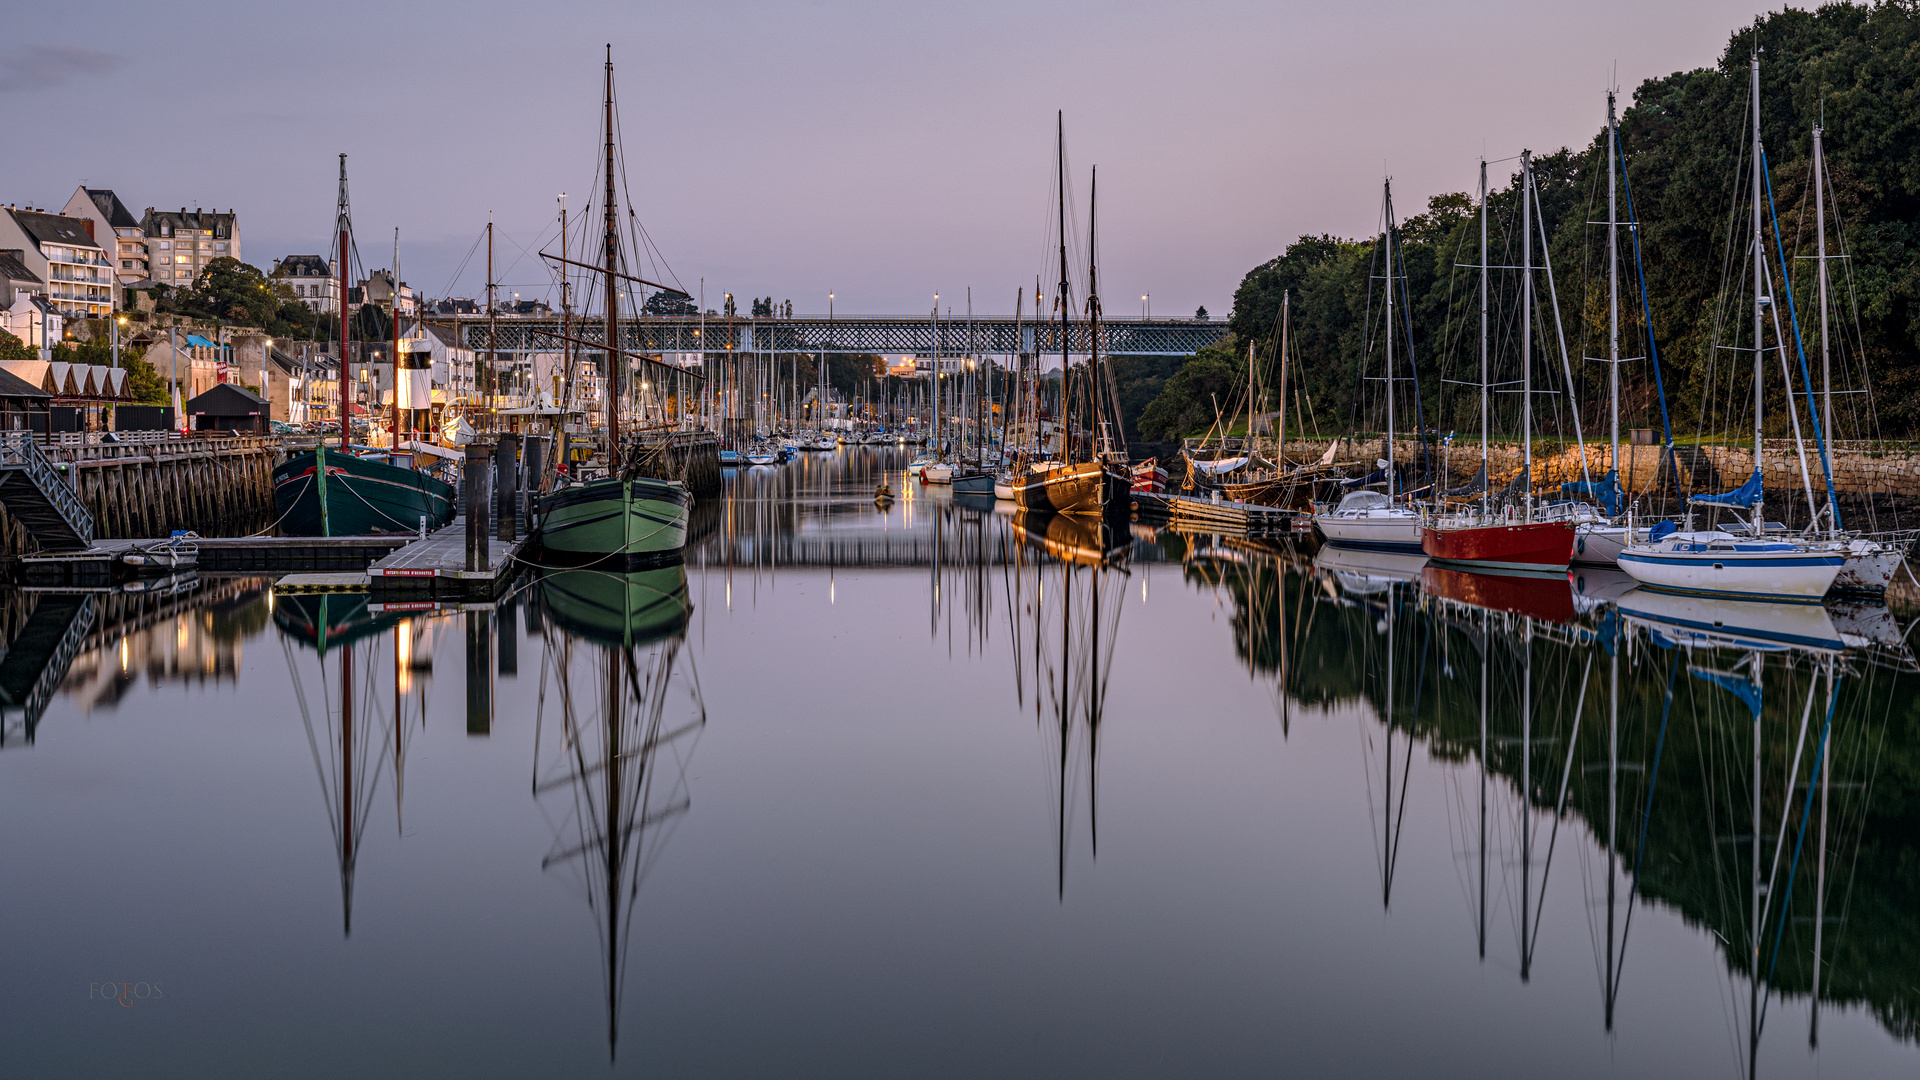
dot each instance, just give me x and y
(622, 519)
(331, 493)
(617, 522)
(636, 607)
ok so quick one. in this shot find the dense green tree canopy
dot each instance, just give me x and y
(12, 348)
(1684, 141)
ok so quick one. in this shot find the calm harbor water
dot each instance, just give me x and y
(940, 791)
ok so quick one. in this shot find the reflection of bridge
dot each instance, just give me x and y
(962, 543)
(854, 334)
(901, 549)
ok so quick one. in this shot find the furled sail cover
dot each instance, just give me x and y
(1744, 496)
(1605, 491)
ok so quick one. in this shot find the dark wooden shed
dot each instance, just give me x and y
(231, 408)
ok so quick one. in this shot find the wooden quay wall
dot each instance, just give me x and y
(215, 486)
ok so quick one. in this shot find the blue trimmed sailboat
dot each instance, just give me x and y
(1720, 563)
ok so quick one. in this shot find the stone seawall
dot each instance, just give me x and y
(1860, 469)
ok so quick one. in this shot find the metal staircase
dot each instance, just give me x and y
(35, 493)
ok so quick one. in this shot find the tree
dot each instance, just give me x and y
(233, 291)
(1186, 404)
(12, 348)
(371, 323)
(664, 302)
(144, 384)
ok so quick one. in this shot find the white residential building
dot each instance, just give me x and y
(111, 218)
(181, 244)
(313, 281)
(79, 279)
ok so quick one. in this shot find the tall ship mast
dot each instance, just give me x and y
(617, 519)
(1093, 480)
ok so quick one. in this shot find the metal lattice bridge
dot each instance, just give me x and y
(881, 335)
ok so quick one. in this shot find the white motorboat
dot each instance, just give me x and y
(937, 472)
(1719, 563)
(1369, 519)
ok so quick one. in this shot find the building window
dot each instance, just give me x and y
(219, 247)
(165, 244)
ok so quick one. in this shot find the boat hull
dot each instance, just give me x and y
(1090, 488)
(1384, 533)
(1544, 547)
(1869, 567)
(1601, 545)
(622, 521)
(1795, 577)
(361, 497)
(977, 483)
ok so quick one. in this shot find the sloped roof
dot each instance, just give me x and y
(115, 211)
(303, 266)
(23, 373)
(221, 224)
(53, 229)
(13, 269)
(227, 399)
(13, 386)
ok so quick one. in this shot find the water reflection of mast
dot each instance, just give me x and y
(347, 783)
(1072, 556)
(614, 727)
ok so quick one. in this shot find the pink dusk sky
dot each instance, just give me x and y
(883, 152)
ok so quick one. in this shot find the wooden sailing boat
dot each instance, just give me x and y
(344, 493)
(1095, 479)
(620, 518)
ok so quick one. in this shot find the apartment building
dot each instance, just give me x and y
(61, 252)
(181, 244)
(110, 218)
(378, 289)
(313, 280)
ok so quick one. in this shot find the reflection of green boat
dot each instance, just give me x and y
(630, 608)
(332, 493)
(617, 521)
(329, 620)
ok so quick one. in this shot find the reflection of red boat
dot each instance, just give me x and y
(1537, 597)
(1541, 545)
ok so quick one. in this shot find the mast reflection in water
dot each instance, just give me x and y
(1065, 582)
(1526, 820)
(620, 712)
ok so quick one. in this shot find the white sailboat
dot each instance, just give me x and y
(1599, 538)
(1368, 518)
(1720, 563)
(1870, 564)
